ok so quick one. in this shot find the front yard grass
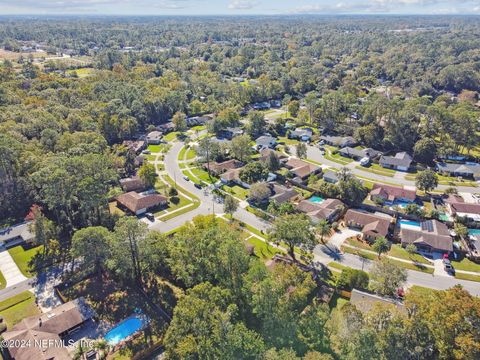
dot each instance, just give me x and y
(379, 171)
(262, 249)
(23, 256)
(15, 309)
(469, 277)
(236, 191)
(466, 265)
(3, 282)
(337, 158)
(373, 257)
(171, 136)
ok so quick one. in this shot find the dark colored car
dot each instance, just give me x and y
(150, 216)
(198, 186)
(448, 267)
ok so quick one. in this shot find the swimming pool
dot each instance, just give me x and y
(474, 232)
(124, 329)
(409, 223)
(316, 199)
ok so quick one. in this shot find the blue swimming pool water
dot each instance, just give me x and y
(410, 223)
(474, 232)
(316, 199)
(399, 203)
(124, 330)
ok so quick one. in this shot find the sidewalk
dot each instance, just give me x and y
(10, 270)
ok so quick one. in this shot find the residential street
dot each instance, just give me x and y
(207, 206)
(314, 153)
(331, 252)
(323, 253)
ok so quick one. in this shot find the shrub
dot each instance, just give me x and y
(175, 200)
(352, 278)
(172, 192)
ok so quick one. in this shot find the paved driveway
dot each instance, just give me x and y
(10, 270)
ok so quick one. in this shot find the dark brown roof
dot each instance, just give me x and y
(133, 183)
(265, 154)
(219, 168)
(47, 326)
(282, 194)
(372, 225)
(321, 210)
(134, 201)
(431, 232)
(230, 175)
(393, 192)
(465, 208)
(301, 168)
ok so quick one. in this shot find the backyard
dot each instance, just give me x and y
(18, 307)
(23, 257)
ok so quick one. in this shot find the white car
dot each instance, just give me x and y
(365, 161)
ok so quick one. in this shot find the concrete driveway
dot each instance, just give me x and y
(10, 270)
(331, 250)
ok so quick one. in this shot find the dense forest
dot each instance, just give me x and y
(396, 83)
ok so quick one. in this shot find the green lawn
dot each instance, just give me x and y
(203, 175)
(18, 307)
(82, 72)
(262, 249)
(23, 257)
(3, 282)
(191, 154)
(181, 154)
(169, 216)
(171, 206)
(468, 277)
(379, 171)
(287, 141)
(155, 148)
(171, 136)
(337, 301)
(198, 128)
(236, 191)
(395, 251)
(409, 266)
(466, 265)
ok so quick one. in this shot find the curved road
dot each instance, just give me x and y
(207, 205)
(322, 253)
(315, 154)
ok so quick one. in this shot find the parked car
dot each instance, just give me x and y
(150, 216)
(186, 178)
(146, 152)
(365, 161)
(198, 186)
(448, 267)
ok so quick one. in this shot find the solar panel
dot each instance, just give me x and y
(427, 225)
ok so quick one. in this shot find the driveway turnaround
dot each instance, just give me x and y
(10, 270)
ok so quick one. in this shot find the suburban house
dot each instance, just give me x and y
(357, 154)
(301, 169)
(154, 137)
(282, 194)
(390, 194)
(42, 331)
(265, 142)
(364, 302)
(197, 120)
(329, 209)
(330, 176)
(401, 161)
(166, 127)
(133, 183)
(464, 210)
(339, 141)
(467, 170)
(16, 234)
(303, 134)
(265, 154)
(371, 225)
(140, 203)
(219, 168)
(430, 236)
(135, 145)
(230, 133)
(232, 176)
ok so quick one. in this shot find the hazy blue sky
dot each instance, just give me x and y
(232, 7)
